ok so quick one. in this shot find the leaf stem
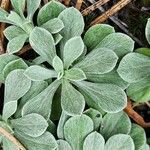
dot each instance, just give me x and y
(12, 138)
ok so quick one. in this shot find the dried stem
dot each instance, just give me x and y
(4, 5)
(45, 1)
(135, 116)
(24, 49)
(110, 12)
(148, 104)
(66, 2)
(94, 6)
(79, 4)
(12, 139)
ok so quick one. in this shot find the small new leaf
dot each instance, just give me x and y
(58, 64)
(75, 74)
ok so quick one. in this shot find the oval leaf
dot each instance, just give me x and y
(96, 34)
(108, 97)
(76, 129)
(72, 101)
(43, 43)
(33, 125)
(38, 73)
(63, 145)
(72, 50)
(112, 124)
(98, 61)
(147, 31)
(120, 142)
(94, 141)
(134, 67)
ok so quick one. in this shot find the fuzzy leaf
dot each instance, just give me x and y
(134, 67)
(58, 64)
(16, 85)
(41, 103)
(112, 124)
(95, 115)
(96, 34)
(32, 6)
(60, 129)
(53, 26)
(73, 24)
(72, 101)
(147, 31)
(120, 142)
(16, 43)
(144, 51)
(44, 142)
(94, 141)
(63, 145)
(72, 50)
(12, 32)
(98, 61)
(49, 11)
(57, 37)
(33, 125)
(38, 73)
(15, 19)
(15, 64)
(36, 88)
(138, 135)
(76, 129)
(8, 145)
(19, 6)
(140, 91)
(108, 97)
(4, 60)
(75, 74)
(43, 43)
(111, 77)
(3, 15)
(120, 43)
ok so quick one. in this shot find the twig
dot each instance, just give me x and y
(12, 138)
(4, 5)
(66, 2)
(148, 104)
(24, 49)
(94, 6)
(79, 4)
(135, 116)
(110, 12)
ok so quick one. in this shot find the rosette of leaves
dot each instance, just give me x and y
(72, 71)
(79, 132)
(22, 25)
(135, 69)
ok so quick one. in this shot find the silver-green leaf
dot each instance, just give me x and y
(96, 34)
(108, 97)
(147, 31)
(94, 141)
(63, 145)
(72, 50)
(76, 129)
(72, 101)
(16, 43)
(75, 74)
(43, 43)
(118, 123)
(38, 73)
(33, 125)
(134, 67)
(98, 61)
